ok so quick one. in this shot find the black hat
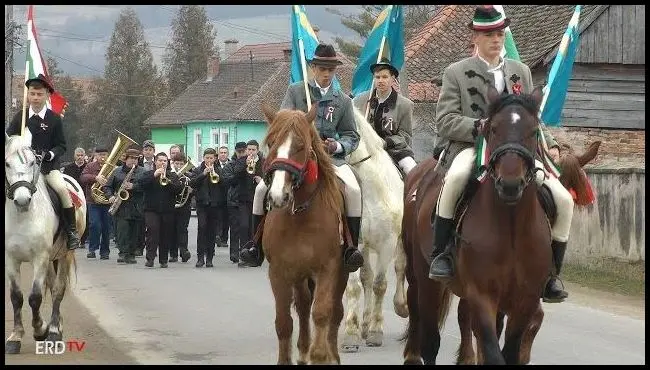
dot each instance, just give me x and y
(42, 79)
(132, 153)
(325, 55)
(386, 64)
(148, 143)
(101, 149)
(240, 145)
(487, 18)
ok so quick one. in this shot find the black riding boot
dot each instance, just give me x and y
(250, 252)
(442, 264)
(352, 257)
(69, 220)
(553, 293)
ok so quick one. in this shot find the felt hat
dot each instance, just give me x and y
(487, 18)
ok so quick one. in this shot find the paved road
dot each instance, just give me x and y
(225, 315)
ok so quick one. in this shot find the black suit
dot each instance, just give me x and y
(210, 200)
(224, 217)
(47, 135)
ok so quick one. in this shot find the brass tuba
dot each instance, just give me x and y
(122, 143)
(182, 198)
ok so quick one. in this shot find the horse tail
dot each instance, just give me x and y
(70, 266)
(445, 303)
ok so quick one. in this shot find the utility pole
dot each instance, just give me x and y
(250, 53)
(9, 58)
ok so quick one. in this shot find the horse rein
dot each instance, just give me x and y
(521, 151)
(10, 189)
(297, 171)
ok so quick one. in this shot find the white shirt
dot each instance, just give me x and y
(499, 81)
(382, 99)
(323, 90)
(40, 114)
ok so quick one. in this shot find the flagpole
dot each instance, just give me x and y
(381, 52)
(303, 66)
(22, 122)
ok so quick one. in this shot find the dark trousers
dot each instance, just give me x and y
(84, 237)
(179, 237)
(208, 225)
(245, 220)
(233, 221)
(225, 222)
(100, 228)
(127, 235)
(160, 227)
(141, 245)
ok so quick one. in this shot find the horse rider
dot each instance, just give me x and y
(210, 199)
(335, 124)
(47, 138)
(246, 173)
(462, 101)
(182, 214)
(160, 186)
(390, 114)
(130, 214)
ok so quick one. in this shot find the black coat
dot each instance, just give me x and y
(235, 175)
(132, 208)
(158, 198)
(47, 135)
(206, 193)
(74, 171)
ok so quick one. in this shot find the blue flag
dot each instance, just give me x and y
(389, 24)
(301, 29)
(560, 73)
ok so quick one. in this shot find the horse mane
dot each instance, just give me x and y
(369, 141)
(573, 176)
(15, 143)
(294, 121)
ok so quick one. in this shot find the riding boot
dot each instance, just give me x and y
(250, 251)
(70, 223)
(442, 264)
(553, 293)
(352, 257)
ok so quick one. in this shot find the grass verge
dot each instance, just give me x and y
(608, 275)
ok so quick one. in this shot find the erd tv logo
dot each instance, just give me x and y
(48, 347)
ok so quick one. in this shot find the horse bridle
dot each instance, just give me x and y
(297, 171)
(10, 189)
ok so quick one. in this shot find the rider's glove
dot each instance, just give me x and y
(48, 156)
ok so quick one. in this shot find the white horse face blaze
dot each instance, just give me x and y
(280, 191)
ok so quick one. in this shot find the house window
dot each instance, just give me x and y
(198, 151)
(224, 137)
(214, 137)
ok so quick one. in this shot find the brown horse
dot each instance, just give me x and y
(503, 259)
(302, 238)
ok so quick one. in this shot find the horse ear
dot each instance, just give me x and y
(311, 115)
(590, 154)
(492, 94)
(268, 112)
(537, 96)
(6, 137)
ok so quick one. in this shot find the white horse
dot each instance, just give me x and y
(381, 228)
(30, 230)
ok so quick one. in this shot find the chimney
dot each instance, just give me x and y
(316, 29)
(287, 54)
(231, 47)
(213, 68)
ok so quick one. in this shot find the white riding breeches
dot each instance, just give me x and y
(55, 180)
(352, 193)
(407, 164)
(460, 171)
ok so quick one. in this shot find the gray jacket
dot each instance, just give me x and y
(463, 100)
(341, 126)
(395, 123)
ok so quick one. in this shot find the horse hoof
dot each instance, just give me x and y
(351, 344)
(413, 362)
(12, 347)
(401, 310)
(301, 362)
(375, 339)
(41, 337)
(54, 337)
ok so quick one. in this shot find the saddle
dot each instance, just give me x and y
(57, 204)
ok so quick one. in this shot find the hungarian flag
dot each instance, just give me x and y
(35, 65)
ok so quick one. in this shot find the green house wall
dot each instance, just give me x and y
(212, 135)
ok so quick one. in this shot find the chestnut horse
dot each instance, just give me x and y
(503, 259)
(302, 237)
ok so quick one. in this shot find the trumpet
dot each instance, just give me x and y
(214, 176)
(250, 165)
(164, 181)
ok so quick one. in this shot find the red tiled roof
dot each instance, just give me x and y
(271, 51)
(445, 39)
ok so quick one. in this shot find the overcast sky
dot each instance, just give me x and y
(77, 36)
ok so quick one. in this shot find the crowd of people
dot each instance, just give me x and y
(156, 194)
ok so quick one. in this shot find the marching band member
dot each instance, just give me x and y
(47, 138)
(222, 233)
(236, 185)
(74, 170)
(160, 187)
(146, 161)
(390, 114)
(181, 215)
(100, 220)
(335, 123)
(210, 198)
(129, 215)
